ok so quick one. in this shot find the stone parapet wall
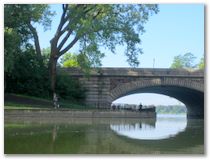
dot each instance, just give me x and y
(132, 72)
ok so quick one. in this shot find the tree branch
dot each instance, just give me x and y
(64, 40)
(69, 46)
(65, 29)
(64, 6)
(36, 39)
(60, 26)
(63, 20)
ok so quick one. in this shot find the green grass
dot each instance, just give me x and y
(12, 105)
(63, 104)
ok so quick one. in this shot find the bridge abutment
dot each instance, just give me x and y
(97, 91)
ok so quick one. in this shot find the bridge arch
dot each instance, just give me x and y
(187, 91)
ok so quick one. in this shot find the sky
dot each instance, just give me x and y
(176, 29)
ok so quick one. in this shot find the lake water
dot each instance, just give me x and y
(164, 135)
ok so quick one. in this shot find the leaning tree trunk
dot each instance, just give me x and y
(36, 39)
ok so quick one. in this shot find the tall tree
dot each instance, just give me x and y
(184, 61)
(96, 25)
(18, 30)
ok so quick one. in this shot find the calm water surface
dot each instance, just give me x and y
(163, 135)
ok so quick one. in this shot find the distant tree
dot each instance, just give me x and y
(184, 61)
(77, 60)
(69, 60)
(201, 63)
(177, 62)
(171, 109)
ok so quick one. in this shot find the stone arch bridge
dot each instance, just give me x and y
(104, 85)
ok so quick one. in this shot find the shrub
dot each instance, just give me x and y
(69, 88)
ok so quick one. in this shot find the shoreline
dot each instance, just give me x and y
(65, 114)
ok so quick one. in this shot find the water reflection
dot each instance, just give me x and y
(54, 132)
(102, 136)
(164, 127)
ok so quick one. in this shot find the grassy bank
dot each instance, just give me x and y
(14, 101)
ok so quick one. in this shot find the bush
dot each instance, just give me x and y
(29, 77)
(69, 88)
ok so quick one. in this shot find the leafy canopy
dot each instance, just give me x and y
(19, 15)
(69, 60)
(107, 25)
(17, 33)
(184, 61)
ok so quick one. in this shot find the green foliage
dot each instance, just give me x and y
(69, 88)
(30, 76)
(20, 15)
(171, 109)
(95, 25)
(11, 47)
(201, 63)
(25, 73)
(17, 34)
(177, 62)
(14, 20)
(107, 25)
(92, 26)
(184, 61)
(81, 61)
(46, 55)
(69, 60)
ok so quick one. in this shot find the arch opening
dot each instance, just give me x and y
(163, 104)
(191, 98)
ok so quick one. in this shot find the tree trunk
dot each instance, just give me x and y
(36, 39)
(52, 70)
(52, 66)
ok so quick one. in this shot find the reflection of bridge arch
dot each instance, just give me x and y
(183, 140)
(104, 85)
(160, 130)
